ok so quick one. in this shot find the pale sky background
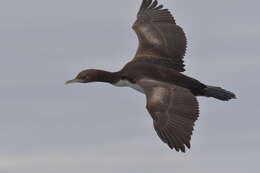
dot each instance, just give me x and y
(46, 127)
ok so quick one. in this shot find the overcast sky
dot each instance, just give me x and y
(46, 127)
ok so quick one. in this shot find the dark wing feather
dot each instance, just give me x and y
(161, 41)
(174, 111)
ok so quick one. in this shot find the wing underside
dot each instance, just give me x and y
(159, 36)
(174, 111)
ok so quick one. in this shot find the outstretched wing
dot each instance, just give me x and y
(174, 111)
(161, 41)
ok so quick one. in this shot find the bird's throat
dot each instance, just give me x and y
(126, 83)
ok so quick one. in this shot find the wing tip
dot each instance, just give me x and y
(182, 148)
(150, 4)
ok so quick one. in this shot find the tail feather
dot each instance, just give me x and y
(219, 93)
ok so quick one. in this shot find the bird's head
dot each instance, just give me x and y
(85, 76)
(93, 75)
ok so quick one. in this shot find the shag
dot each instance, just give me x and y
(156, 71)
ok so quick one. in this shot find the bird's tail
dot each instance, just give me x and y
(219, 93)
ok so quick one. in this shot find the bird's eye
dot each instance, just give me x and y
(81, 77)
(86, 77)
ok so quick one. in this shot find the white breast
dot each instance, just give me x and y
(126, 83)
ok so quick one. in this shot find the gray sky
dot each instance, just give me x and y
(46, 127)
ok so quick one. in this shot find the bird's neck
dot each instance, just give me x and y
(107, 77)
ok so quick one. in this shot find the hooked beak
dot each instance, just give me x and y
(73, 81)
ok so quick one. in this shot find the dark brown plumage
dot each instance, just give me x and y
(156, 72)
(161, 41)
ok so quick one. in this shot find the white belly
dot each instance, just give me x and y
(126, 83)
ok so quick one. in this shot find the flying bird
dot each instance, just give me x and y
(156, 71)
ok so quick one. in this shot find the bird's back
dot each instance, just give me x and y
(134, 71)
